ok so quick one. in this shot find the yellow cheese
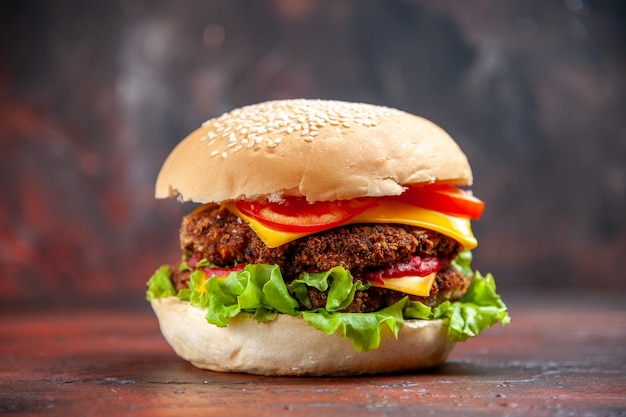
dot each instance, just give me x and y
(201, 287)
(410, 285)
(387, 211)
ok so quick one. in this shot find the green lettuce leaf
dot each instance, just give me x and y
(417, 310)
(337, 281)
(480, 308)
(259, 290)
(462, 263)
(160, 285)
(363, 329)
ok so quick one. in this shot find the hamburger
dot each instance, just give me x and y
(330, 238)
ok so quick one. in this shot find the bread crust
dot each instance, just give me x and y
(324, 150)
(289, 346)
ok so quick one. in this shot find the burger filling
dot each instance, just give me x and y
(369, 251)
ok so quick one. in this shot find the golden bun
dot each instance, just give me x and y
(321, 149)
(290, 346)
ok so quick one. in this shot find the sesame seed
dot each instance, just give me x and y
(275, 122)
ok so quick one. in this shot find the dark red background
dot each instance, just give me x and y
(93, 95)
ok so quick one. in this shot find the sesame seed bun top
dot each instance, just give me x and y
(323, 150)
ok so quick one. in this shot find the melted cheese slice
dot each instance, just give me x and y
(410, 285)
(387, 211)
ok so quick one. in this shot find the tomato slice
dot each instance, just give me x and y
(444, 198)
(222, 272)
(297, 215)
(416, 266)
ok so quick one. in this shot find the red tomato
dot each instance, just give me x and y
(222, 272)
(444, 198)
(296, 215)
(415, 266)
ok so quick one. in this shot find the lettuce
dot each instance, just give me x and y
(480, 308)
(363, 329)
(462, 262)
(340, 288)
(160, 285)
(259, 290)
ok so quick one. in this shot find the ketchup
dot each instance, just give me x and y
(213, 270)
(193, 260)
(416, 266)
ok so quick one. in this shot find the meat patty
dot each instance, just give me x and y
(225, 240)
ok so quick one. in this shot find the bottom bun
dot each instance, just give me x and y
(290, 346)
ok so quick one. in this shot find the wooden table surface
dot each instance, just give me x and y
(555, 359)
